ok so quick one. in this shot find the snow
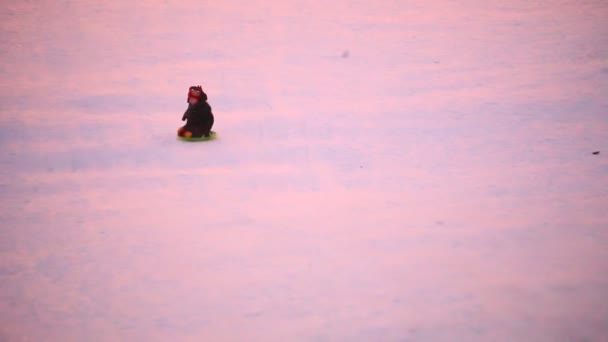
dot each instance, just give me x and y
(417, 171)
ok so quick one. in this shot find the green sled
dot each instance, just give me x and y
(211, 136)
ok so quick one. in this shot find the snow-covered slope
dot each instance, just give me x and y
(398, 171)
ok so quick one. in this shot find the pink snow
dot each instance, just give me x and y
(383, 171)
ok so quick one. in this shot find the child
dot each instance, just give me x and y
(199, 116)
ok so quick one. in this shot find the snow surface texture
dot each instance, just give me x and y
(384, 171)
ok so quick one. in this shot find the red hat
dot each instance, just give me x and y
(195, 92)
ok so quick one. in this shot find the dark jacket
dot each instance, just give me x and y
(200, 118)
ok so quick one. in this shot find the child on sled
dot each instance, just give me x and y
(198, 115)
